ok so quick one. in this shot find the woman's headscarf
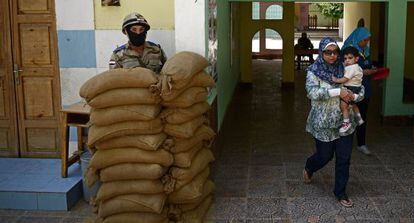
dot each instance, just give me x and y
(357, 36)
(323, 70)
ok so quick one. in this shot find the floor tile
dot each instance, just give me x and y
(267, 208)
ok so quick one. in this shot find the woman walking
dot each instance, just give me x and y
(359, 39)
(325, 118)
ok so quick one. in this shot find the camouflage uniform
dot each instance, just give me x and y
(153, 57)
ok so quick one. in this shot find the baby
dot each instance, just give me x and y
(352, 80)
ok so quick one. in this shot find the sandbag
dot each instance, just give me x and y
(102, 133)
(184, 159)
(192, 191)
(200, 162)
(153, 203)
(117, 78)
(106, 158)
(175, 210)
(185, 130)
(145, 142)
(189, 97)
(132, 171)
(112, 189)
(201, 79)
(124, 96)
(197, 215)
(136, 217)
(111, 115)
(181, 115)
(203, 134)
(182, 67)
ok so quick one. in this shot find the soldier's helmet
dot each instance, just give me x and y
(135, 19)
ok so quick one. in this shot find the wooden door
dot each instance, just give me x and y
(37, 85)
(9, 146)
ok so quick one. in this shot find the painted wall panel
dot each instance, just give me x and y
(409, 56)
(71, 79)
(159, 13)
(76, 48)
(108, 40)
(74, 15)
(190, 26)
(353, 11)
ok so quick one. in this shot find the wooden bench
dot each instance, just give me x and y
(76, 115)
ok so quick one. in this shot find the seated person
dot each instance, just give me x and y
(304, 43)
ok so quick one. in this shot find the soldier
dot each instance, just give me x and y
(137, 52)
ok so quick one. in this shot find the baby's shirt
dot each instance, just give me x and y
(354, 74)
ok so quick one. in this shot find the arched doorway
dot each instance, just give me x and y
(267, 51)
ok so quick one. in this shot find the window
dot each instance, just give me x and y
(274, 12)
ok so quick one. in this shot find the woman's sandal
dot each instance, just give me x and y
(306, 177)
(346, 202)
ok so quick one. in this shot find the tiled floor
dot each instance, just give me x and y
(263, 147)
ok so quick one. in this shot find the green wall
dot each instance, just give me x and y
(396, 11)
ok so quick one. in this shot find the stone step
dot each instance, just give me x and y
(36, 184)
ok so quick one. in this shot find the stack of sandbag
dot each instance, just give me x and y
(126, 133)
(184, 97)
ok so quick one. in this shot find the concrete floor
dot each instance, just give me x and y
(262, 150)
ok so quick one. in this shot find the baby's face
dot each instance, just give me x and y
(350, 59)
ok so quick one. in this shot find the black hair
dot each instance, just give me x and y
(351, 50)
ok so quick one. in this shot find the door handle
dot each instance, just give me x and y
(16, 72)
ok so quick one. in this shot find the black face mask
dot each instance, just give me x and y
(137, 39)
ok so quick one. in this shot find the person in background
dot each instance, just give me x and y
(137, 52)
(325, 118)
(359, 39)
(304, 43)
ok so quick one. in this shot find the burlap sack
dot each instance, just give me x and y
(190, 192)
(112, 189)
(111, 115)
(197, 215)
(132, 171)
(184, 159)
(189, 97)
(124, 96)
(102, 133)
(182, 67)
(201, 79)
(145, 142)
(177, 145)
(109, 157)
(136, 217)
(181, 115)
(200, 162)
(117, 78)
(185, 130)
(153, 203)
(175, 210)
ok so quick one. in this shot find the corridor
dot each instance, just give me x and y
(261, 153)
(263, 148)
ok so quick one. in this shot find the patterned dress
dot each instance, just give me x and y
(325, 117)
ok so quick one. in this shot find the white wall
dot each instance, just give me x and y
(190, 26)
(74, 15)
(353, 11)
